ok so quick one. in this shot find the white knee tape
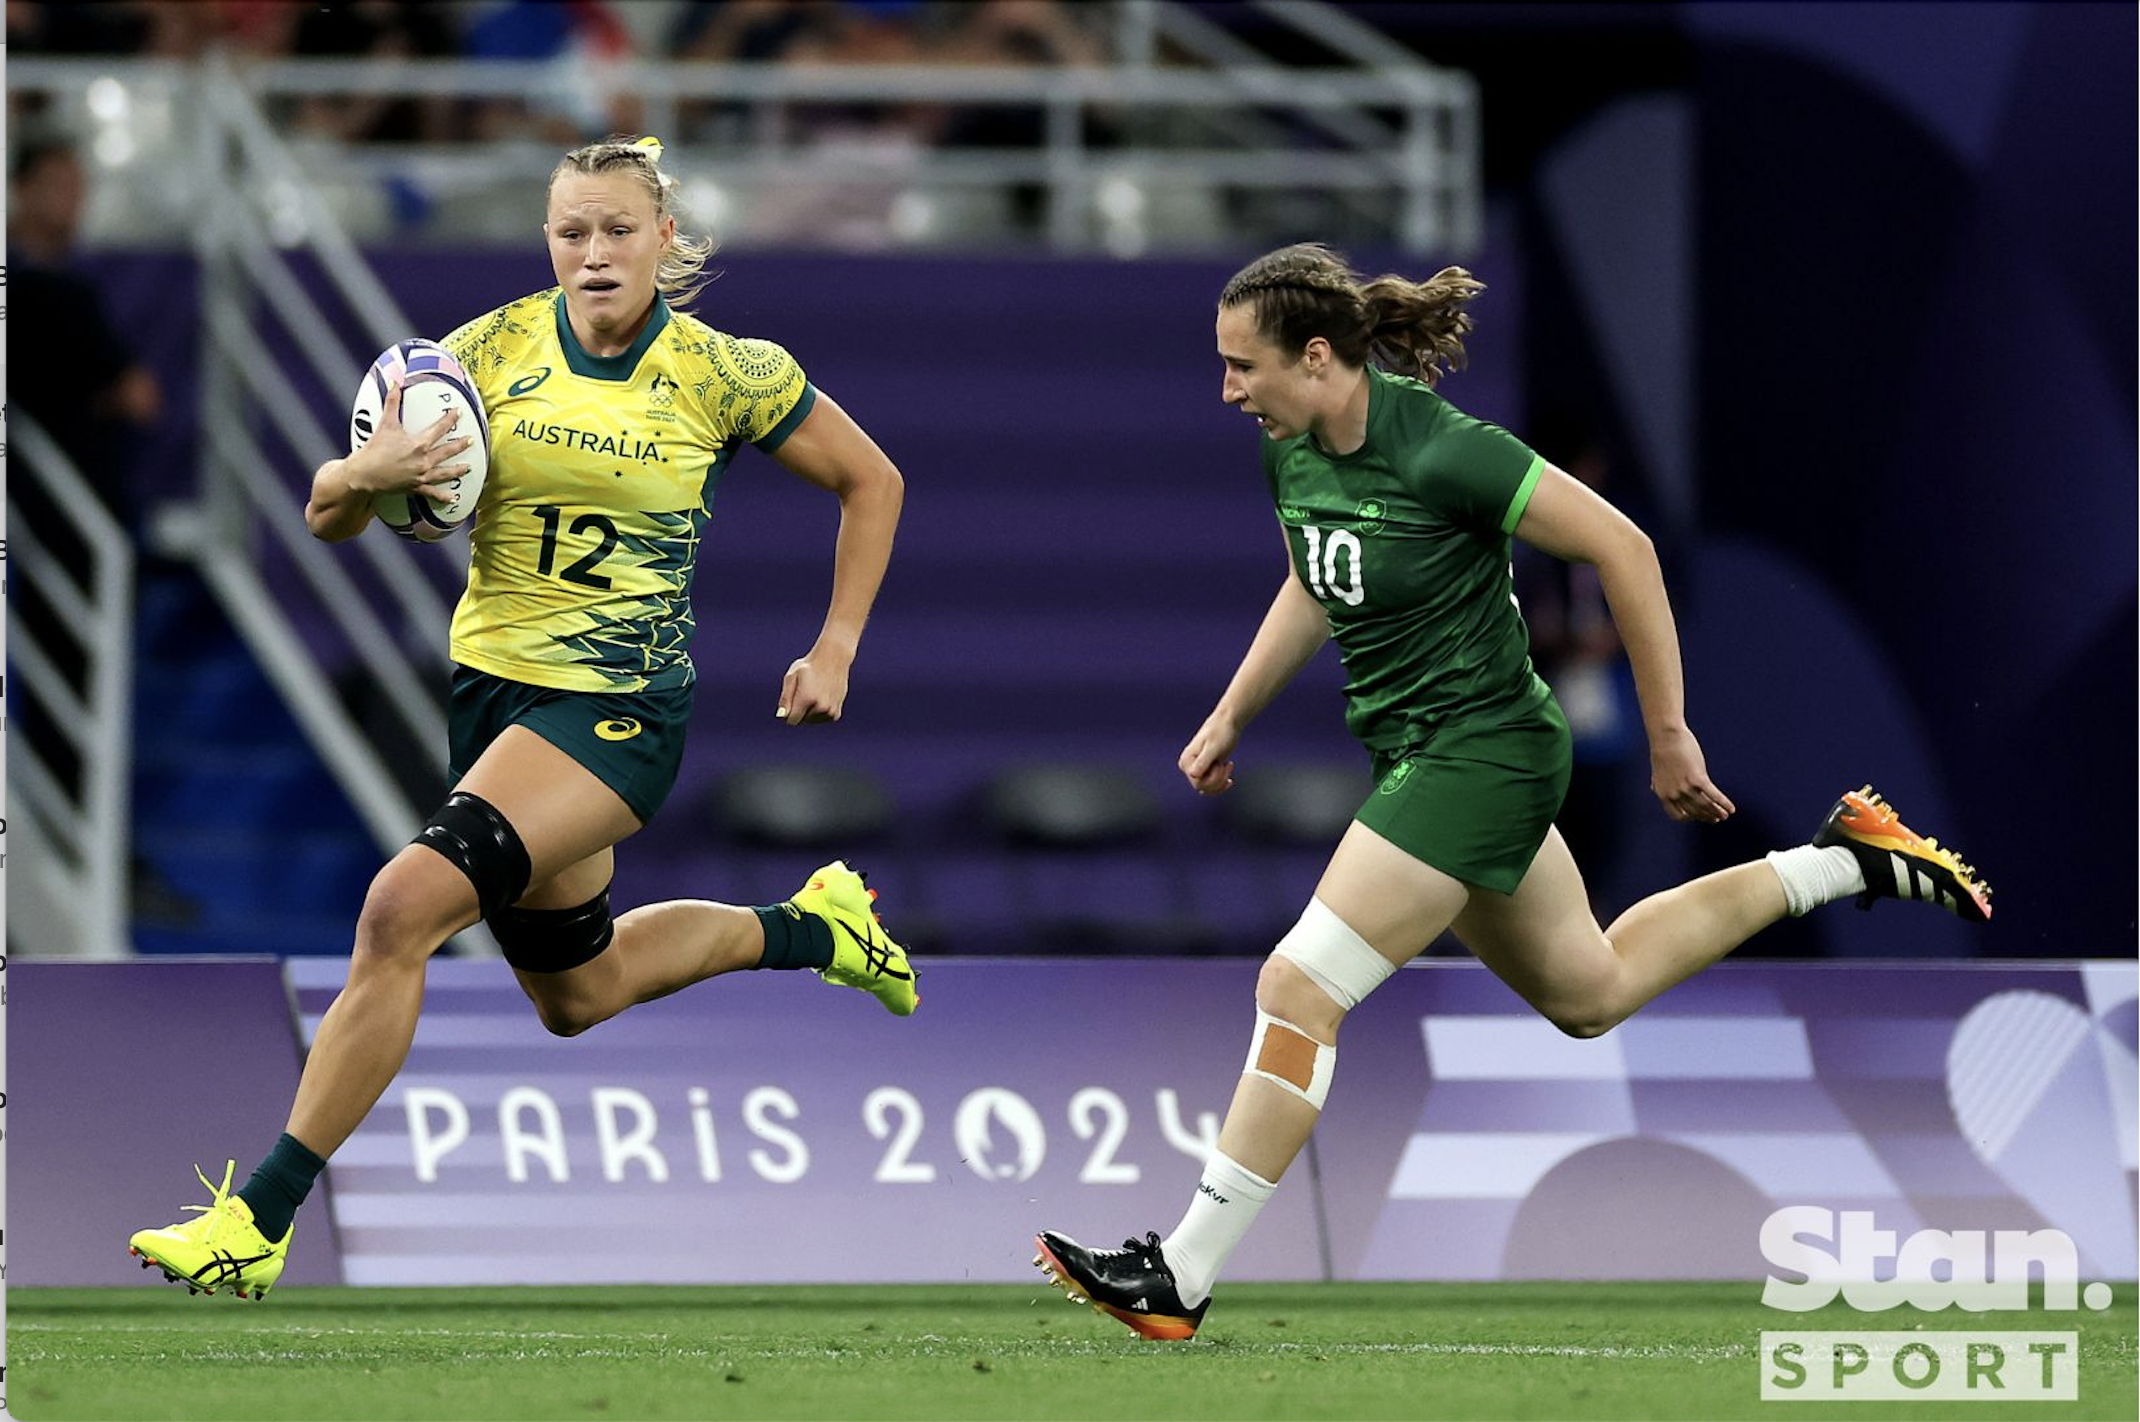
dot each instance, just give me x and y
(1287, 1057)
(1336, 959)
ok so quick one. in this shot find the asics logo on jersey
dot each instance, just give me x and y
(622, 729)
(528, 382)
(874, 953)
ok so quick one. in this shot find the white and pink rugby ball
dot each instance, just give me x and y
(433, 383)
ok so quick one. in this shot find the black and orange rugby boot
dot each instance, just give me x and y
(1898, 862)
(1132, 1283)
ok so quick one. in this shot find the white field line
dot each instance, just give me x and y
(643, 1346)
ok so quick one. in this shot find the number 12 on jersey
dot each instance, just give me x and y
(582, 570)
(1323, 564)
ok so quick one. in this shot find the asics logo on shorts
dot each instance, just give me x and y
(622, 729)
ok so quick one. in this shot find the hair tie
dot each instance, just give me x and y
(652, 145)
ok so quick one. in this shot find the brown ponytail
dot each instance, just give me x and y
(1307, 290)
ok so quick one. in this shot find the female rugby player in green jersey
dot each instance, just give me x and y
(612, 413)
(1397, 510)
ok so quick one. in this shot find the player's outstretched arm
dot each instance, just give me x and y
(1568, 519)
(1293, 631)
(392, 460)
(833, 452)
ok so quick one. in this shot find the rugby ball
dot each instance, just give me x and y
(433, 383)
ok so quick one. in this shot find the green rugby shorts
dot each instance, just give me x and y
(632, 742)
(1476, 798)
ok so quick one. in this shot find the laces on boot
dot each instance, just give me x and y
(218, 1194)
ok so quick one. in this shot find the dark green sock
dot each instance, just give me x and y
(794, 939)
(280, 1184)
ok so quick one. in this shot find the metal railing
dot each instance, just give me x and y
(262, 425)
(1189, 151)
(245, 275)
(73, 868)
(396, 636)
(1417, 163)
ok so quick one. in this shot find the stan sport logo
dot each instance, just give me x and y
(1847, 1255)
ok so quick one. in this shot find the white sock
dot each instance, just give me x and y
(1226, 1203)
(1815, 876)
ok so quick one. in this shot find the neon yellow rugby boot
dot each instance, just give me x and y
(863, 954)
(219, 1248)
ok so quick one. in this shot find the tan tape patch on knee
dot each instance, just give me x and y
(1287, 1054)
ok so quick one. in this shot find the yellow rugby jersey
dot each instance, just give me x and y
(602, 475)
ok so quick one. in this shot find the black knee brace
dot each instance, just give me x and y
(471, 833)
(553, 940)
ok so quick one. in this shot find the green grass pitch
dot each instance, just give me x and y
(1351, 1351)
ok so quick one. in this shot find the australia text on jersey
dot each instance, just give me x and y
(613, 446)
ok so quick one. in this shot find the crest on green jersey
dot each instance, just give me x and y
(1369, 514)
(1394, 781)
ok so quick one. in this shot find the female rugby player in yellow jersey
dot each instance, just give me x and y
(612, 414)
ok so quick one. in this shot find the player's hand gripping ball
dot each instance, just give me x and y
(433, 384)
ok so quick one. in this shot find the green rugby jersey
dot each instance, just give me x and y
(1405, 543)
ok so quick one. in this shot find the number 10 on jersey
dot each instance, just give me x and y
(1324, 565)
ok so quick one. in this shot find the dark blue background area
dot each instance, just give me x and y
(1917, 379)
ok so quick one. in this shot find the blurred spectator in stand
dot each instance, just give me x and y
(85, 387)
(263, 28)
(1018, 34)
(857, 156)
(742, 32)
(152, 29)
(375, 29)
(590, 96)
(1014, 34)
(50, 27)
(88, 392)
(739, 33)
(1578, 652)
(858, 32)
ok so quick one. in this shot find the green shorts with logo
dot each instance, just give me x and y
(631, 741)
(1475, 798)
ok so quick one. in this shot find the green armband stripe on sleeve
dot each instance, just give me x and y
(773, 438)
(1522, 500)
